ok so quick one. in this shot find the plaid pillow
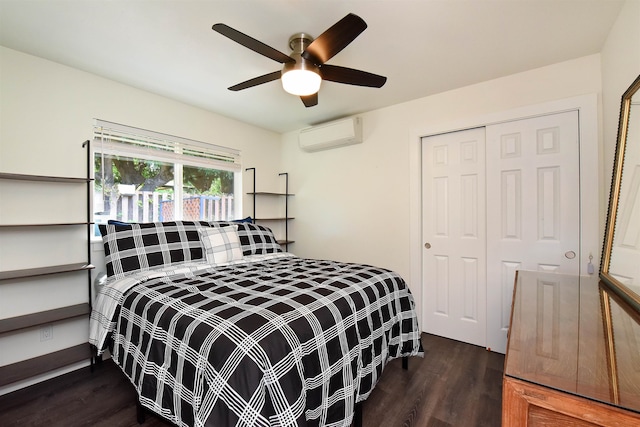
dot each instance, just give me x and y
(221, 244)
(139, 247)
(257, 239)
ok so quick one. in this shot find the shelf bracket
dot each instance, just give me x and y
(253, 218)
(286, 210)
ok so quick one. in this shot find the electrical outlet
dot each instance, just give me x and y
(46, 333)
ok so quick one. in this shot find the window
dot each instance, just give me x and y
(145, 176)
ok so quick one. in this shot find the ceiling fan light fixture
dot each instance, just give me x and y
(301, 82)
(300, 77)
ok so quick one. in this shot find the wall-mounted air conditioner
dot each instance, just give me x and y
(331, 134)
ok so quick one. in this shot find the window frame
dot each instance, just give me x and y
(110, 138)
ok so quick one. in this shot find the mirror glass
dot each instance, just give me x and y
(620, 267)
(622, 333)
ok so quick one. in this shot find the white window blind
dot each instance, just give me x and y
(122, 140)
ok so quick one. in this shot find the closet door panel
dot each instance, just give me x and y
(534, 208)
(454, 278)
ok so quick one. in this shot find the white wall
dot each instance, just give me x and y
(46, 111)
(354, 203)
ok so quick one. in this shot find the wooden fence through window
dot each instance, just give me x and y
(147, 206)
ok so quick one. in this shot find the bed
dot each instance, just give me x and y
(215, 325)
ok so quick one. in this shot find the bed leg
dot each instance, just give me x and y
(139, 412)
(357, 416)
(405, 363)
(94, 358)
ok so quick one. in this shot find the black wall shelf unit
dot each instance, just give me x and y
(286, 218)
(58, 359)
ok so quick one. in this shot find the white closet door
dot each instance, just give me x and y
(453, 200)
(533, 223)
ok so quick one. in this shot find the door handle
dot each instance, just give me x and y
(427, 245)
(570, 254)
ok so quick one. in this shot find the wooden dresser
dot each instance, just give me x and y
(573, 356)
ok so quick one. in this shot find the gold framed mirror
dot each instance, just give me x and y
(620, 266)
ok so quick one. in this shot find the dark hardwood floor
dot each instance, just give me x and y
(455, 385)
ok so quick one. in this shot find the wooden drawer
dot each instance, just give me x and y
(526, 404)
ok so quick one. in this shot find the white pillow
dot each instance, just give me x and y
(221, 244)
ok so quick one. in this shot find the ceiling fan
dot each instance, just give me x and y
(305, 68)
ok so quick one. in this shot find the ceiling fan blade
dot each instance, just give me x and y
(310, 100)
(350, 76)
(251, 43)
(333, 40)
(257, 81)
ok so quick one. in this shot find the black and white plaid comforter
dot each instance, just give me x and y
(278, 342)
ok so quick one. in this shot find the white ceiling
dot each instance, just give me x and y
(423, 47)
